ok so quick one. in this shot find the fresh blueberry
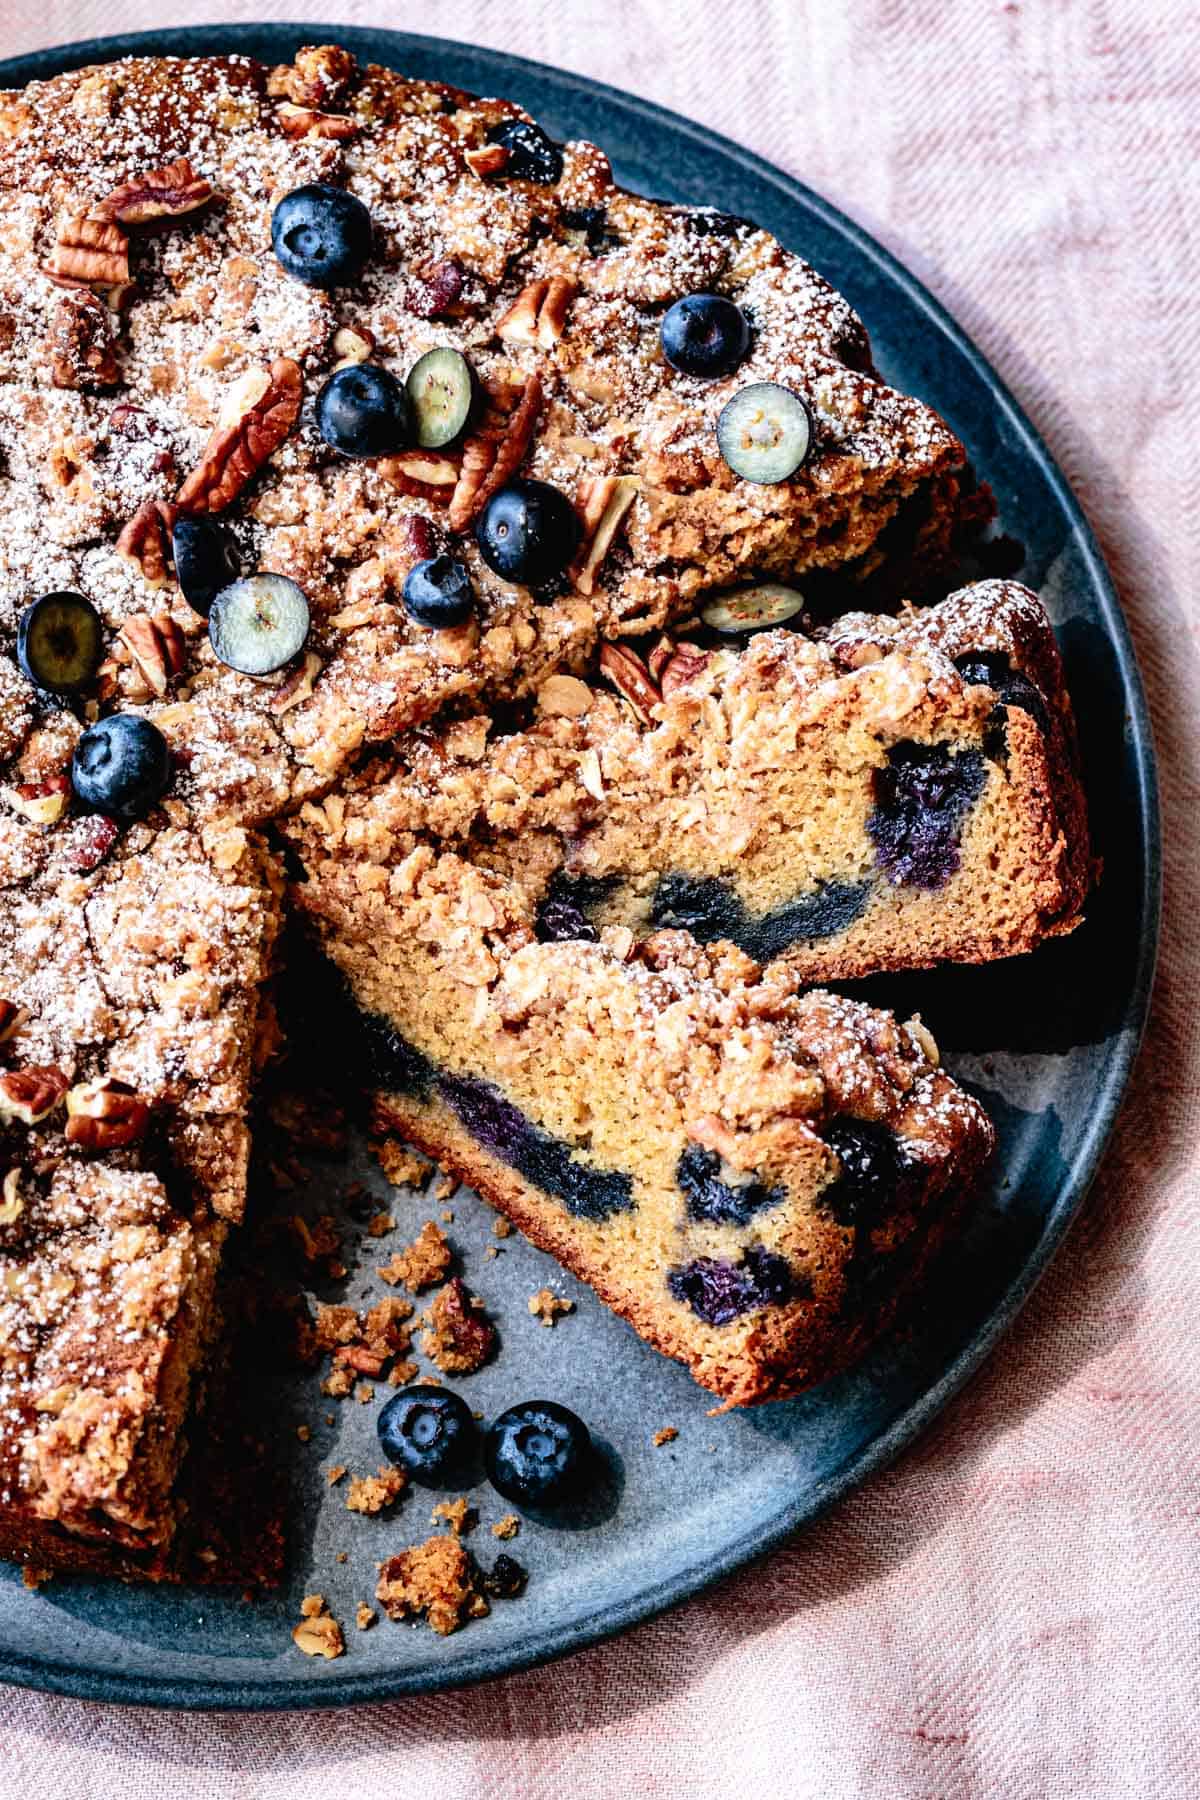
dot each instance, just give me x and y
(705, 334)
(428, 1432)
(121, 766)
(438, 593)
(536, 1453)
(532, 156)
(528, 532)
(875, 1174)
(60, 643)
(364, 411)
(922, 797)
(321, 235)
(718, 1291)
(204, 562)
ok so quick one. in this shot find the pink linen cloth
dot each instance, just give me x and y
(1014, 1609)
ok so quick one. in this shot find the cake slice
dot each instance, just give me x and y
(753, 1178)
(882, 794)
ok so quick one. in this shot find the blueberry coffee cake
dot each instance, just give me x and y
(384, 488)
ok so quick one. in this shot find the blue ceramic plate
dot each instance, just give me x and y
(1046, 1042)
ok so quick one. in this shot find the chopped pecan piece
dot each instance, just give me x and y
(487, 159)
(145, 539)
(297, 685)
(236, 452)
(319, 74)
(424, 474)
(360, 1358)
(458, 1337)
(565, 697)
(93, 253)
(352, 344)
(167, 193)
(304, 122)
(31, 1095)
(12, 1201)
(603, 501)
(660, 656)
(631, 678)
(12, 1017)
(157, 648)
(538, 314)
(41, 802)
(492, 455)
(438, 287)
(105, 1114)
(90, 842)
(82, 345)
(687, 661)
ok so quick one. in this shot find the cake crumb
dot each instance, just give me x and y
(304, 1433)
(364, 1616)
(501, 1227)
(318, 1633)
(666, 1434)
(457, 1336)
(379, 1224)
(342, 1556)
(372, 1493)
(459, 1515)
(334, 1475)
(447, 1216)
(425, 1263)
(364, 1393)
(338, 1383)
(549, 1307)
(34, 1577)
(403, 1372)
(402, 1166)
(435, 1581)
(507, 1527)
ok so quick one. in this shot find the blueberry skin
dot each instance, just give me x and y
(428, 1432)
(705, 334)
(535, 1453)
(528, 532)
(365, 411)
(121, 766)
(532, 155)
(321, 235)
(438, 592)
(204, 563)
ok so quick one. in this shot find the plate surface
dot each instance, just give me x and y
(1047, 1043)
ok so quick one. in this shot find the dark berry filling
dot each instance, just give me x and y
(698, 1173)
(391, 1061)
(922, 798)
(543, 1160)
(876, 1173)
(718, 1291)
(591, 220)
(563, 912)
(710, 909)
(992, 668)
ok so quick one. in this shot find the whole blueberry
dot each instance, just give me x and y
(438, 593)
(364, 411)
(528, 532)
(532, 155)
(535, 1454)
(121, 766)
(428, 1432)
(321, 235)
(705, 334)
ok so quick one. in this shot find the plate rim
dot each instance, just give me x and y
(549, 1644)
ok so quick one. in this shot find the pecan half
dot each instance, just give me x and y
(41, 802)
(492, 455)
(31, 1095)
(297, 685)
(157, 648)
(145, 540)
(631, 678)
(236, 452)
(167, 193)
(319, 73)
(687, 661)
(603, 501)
(12, 1201)
(91, 253)
(12, 1017)
(82, 344)
(437, 287)
(538, 314)
(424, 474)
(105, 1114)
(304, 122)
(487, 159)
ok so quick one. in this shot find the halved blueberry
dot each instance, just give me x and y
(258, 624)
(532, 155)
(441, 392)
(922, 797)
(535, 1454)
(528, 532)
(754, 608)
(438, 592)
(765, 433)
(321, 235)
(204, 560)
(429, 1432)
(363, 410)
(121, 766)
(60, 643)
(718, 1291)
(705, 334)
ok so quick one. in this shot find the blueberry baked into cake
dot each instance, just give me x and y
(382, 486)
